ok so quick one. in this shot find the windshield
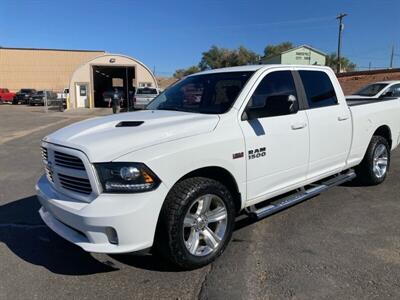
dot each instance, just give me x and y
(146, 91)
(371, 90)
(212, 93)
(27, 91)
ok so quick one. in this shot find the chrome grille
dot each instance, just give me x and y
(45, 158)
(68, 161)
(67, 171)
(76, 184)
(45, 155)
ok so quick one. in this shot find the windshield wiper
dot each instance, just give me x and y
(176, 108)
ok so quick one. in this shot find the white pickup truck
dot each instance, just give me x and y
(214, 145)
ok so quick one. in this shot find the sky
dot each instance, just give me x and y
(168, 35)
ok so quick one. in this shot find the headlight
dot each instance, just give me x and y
(126, 177)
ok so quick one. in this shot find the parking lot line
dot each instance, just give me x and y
(22, 133)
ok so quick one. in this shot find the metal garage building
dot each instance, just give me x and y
(102, 74)
(88, 73)
(41, 69)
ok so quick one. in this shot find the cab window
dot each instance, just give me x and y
(318, 88)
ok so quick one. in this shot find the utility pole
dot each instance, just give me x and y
(391, 57)
(340, 18)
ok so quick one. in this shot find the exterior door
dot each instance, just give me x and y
(82, 95)
(276, 136)
(330, 124)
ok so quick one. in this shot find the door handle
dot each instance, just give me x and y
(342, 118)
(299, 126)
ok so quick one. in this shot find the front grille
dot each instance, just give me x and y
(76, 184)
(45, 158)
(49, 174)
(45, 155)
(68, 161)
(66, 171)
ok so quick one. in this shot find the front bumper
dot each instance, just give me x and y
(133, 217)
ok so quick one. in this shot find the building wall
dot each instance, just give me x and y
(83, 74)
(273, 60)
(353, 81)
(303, 56)
(40, 69)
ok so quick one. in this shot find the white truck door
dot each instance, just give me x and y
(329, 122)
(276, 136)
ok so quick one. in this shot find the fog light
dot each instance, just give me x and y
(112, 235)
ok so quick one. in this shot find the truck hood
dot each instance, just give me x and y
(102, 140)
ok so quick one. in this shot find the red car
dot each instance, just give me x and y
(6, 96)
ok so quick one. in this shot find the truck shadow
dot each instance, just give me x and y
(24, 233)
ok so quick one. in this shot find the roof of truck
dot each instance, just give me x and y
(253, 68)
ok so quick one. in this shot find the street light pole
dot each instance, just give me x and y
(340, 18)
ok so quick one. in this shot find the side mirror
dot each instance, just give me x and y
(276, 105)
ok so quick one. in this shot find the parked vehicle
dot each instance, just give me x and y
(23, 96)
(250, 139)
(143, 97)
(378, 90)
(64, 95)
(40, 97)
(6, 96)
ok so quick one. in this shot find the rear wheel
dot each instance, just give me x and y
(375, 165)
(196, 222)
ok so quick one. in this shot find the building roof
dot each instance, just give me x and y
(304, 46)
(50, 49)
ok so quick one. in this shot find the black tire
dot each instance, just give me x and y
(365, 170)
(170, 235)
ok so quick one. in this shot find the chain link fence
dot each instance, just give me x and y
(53, 101)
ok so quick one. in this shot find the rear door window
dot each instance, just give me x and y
(318, 88)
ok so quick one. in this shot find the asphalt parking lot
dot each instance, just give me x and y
(343, 244)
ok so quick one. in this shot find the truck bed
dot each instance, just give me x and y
(362, 101)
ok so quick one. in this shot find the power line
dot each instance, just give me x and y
(391, 58)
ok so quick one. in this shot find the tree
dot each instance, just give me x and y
(245, 57)
(345, 63)
(221, 57)
(180, 73)
(215, 58)
(272, 50)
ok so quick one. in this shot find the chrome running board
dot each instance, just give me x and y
(301, 196)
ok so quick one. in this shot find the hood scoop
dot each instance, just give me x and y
(129, 123)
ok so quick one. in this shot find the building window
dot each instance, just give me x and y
(145, 84)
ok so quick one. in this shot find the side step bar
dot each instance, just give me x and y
(302, 195)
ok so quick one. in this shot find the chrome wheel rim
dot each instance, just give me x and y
(380, 162)
(204, 226)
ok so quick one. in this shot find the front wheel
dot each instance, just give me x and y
(196, 222)
(375, 165)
